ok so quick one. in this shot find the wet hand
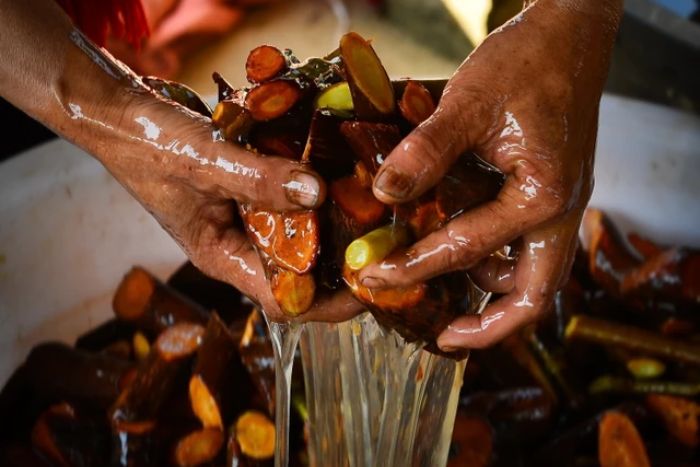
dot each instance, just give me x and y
(180, 169)
(526, 101)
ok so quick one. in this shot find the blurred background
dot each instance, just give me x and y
(656, 56)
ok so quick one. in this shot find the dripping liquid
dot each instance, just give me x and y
(285, 339)
(372, 398)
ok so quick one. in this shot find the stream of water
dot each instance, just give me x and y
(285, 339)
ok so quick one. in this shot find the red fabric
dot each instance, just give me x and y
(121, 19)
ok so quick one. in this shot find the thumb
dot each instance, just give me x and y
(265, 181)
(423, 157)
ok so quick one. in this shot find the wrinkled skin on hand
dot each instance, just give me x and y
(526, 100)
(169, 158)
(187, 177)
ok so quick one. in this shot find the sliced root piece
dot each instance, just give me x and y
(372, 91)
(199, 447)
(291, 239)
(416, 103)
(375, 246)
(294, 292)
(336, 97)
(264, 63)
(619, 443)
(272, 99)
(232, 119)
(255, 434)
(356, 201)
(207, 388)
(143, 300)
(680, 416)
(608, 333)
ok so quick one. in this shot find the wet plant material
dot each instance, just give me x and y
(611, 377)
(342, 116)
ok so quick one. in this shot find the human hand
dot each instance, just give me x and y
(168, 157)
(178, 166)
(526, 100)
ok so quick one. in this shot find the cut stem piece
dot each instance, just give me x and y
(294, 292)
(233, 120)
(375, 246)
(604, 332)
(336, 97)
(264, 63)
(255, 434)
(356, 201)
(151, 305)
(646, 368)
(416, 103)
(680, 416)
(612, 384)
(619, 443)
(272, 99)
(207, 388)
(372, 91)
(291, 238)
(199, 447)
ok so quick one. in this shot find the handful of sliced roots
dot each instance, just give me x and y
(342, 116)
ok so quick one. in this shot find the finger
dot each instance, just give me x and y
(494, 275)
(188, 150)
(269, 182)
(538, 273)
(334, 308)
(425, 155)
(459, 245)
(228, 256)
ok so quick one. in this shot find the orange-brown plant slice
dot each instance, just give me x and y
(232, 119)
(199, 447)
(255, 434)
(151, 305)
(179, 341)
(372, 91)
(356, 201)
(619, 443)
(204, 404)
(294, 292)
(264, 63)
(680, 416)
(416, 103)
(291, 239)
(272, 99)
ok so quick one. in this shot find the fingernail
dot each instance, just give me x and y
(373, 282)
(447, 348)
(393, 183)
(302, 189)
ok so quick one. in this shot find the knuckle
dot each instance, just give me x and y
(425, 145)
(259, 186)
